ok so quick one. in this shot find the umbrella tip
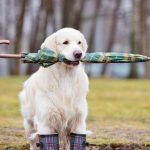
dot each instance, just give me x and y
(4, 42)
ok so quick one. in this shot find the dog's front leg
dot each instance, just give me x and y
(30, 131)
(79, 132)
(78, 137)
(43, 128)
(48, 139)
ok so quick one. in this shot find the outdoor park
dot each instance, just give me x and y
(118, 97)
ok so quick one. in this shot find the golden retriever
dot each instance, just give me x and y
(53, 99)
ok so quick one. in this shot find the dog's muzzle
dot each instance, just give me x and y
(77, 56)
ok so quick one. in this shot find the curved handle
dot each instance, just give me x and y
(4, 42)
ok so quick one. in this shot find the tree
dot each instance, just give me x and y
(39, 30)
(134, 37)
(144, 33)
(19, 32)
(113, 30)
(94, 25)
(91, 40)
(72, 13)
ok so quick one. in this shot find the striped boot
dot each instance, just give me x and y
(77, 141)
(48, 142)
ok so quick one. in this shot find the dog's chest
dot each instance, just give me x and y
(67, 88)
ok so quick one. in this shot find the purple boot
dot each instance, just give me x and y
(77, 141)
(48, 142)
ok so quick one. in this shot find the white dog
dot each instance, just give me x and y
(53, 99)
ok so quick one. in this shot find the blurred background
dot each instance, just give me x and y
(119, 110)
(108, 25)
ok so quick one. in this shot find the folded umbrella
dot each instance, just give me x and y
(46, 57)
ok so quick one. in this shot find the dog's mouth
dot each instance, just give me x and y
(73, 63)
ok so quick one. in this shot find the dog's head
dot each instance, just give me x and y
(69, 42)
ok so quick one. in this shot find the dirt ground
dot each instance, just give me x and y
(11, 136)
(100, 147)
(119, 147)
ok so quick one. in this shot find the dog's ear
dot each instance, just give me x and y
(50, 42)
(84, 44)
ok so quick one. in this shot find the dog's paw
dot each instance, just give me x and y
(33, 136)
(88, 132)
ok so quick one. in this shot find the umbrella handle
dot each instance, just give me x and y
(4, 42)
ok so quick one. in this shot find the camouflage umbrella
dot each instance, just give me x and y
(46, 57)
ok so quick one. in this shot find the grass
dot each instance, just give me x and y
(119, 112)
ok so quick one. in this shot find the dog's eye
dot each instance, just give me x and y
(79, 42)
(66, 42)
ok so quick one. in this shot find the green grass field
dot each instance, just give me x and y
(119, 112)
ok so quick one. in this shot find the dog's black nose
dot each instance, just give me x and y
(77, 54)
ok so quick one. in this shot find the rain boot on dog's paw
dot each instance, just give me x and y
(48, 142)
(77, 141)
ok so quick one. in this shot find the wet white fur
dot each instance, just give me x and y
(53, 99)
